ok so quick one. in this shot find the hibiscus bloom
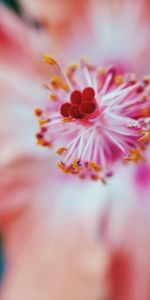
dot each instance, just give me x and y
(98, 115)
(35, 221)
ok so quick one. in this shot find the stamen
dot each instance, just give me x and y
(71, 70)
(76, 165)
(94, 166)
(61, 150)
(41, 141)
(43, 122)
(56, 82)
(67, 120)
(53, 97)
(37, 112)
(145, 138)
(118, 79)
(61, 166)
(58, 71)
(100, 116)
(135, 156)
(49, 60)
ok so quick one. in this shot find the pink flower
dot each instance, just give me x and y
(41, 220)
(95, 118)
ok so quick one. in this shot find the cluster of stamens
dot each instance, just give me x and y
(96, 117)
(82, 105)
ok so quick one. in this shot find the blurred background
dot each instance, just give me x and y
(84, 242)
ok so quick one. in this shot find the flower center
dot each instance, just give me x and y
(82, 105)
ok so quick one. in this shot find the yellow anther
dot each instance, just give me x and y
(61, 150)
(118, 79)
(43, 122)
(37, 112)
(67, 120)
(49, 60)
(42, 142)
(60, 165)
(76, 166)
(63, 168)
(145, 138)
(94, 166)
(135, 156)
(53, 97)
(71, 69)
(145, 112)
(57, 82)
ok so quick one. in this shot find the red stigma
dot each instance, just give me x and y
(65, 109)
(75, 112)
(76, 97)
(88, 94)
(82, 104)
(88, 107)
